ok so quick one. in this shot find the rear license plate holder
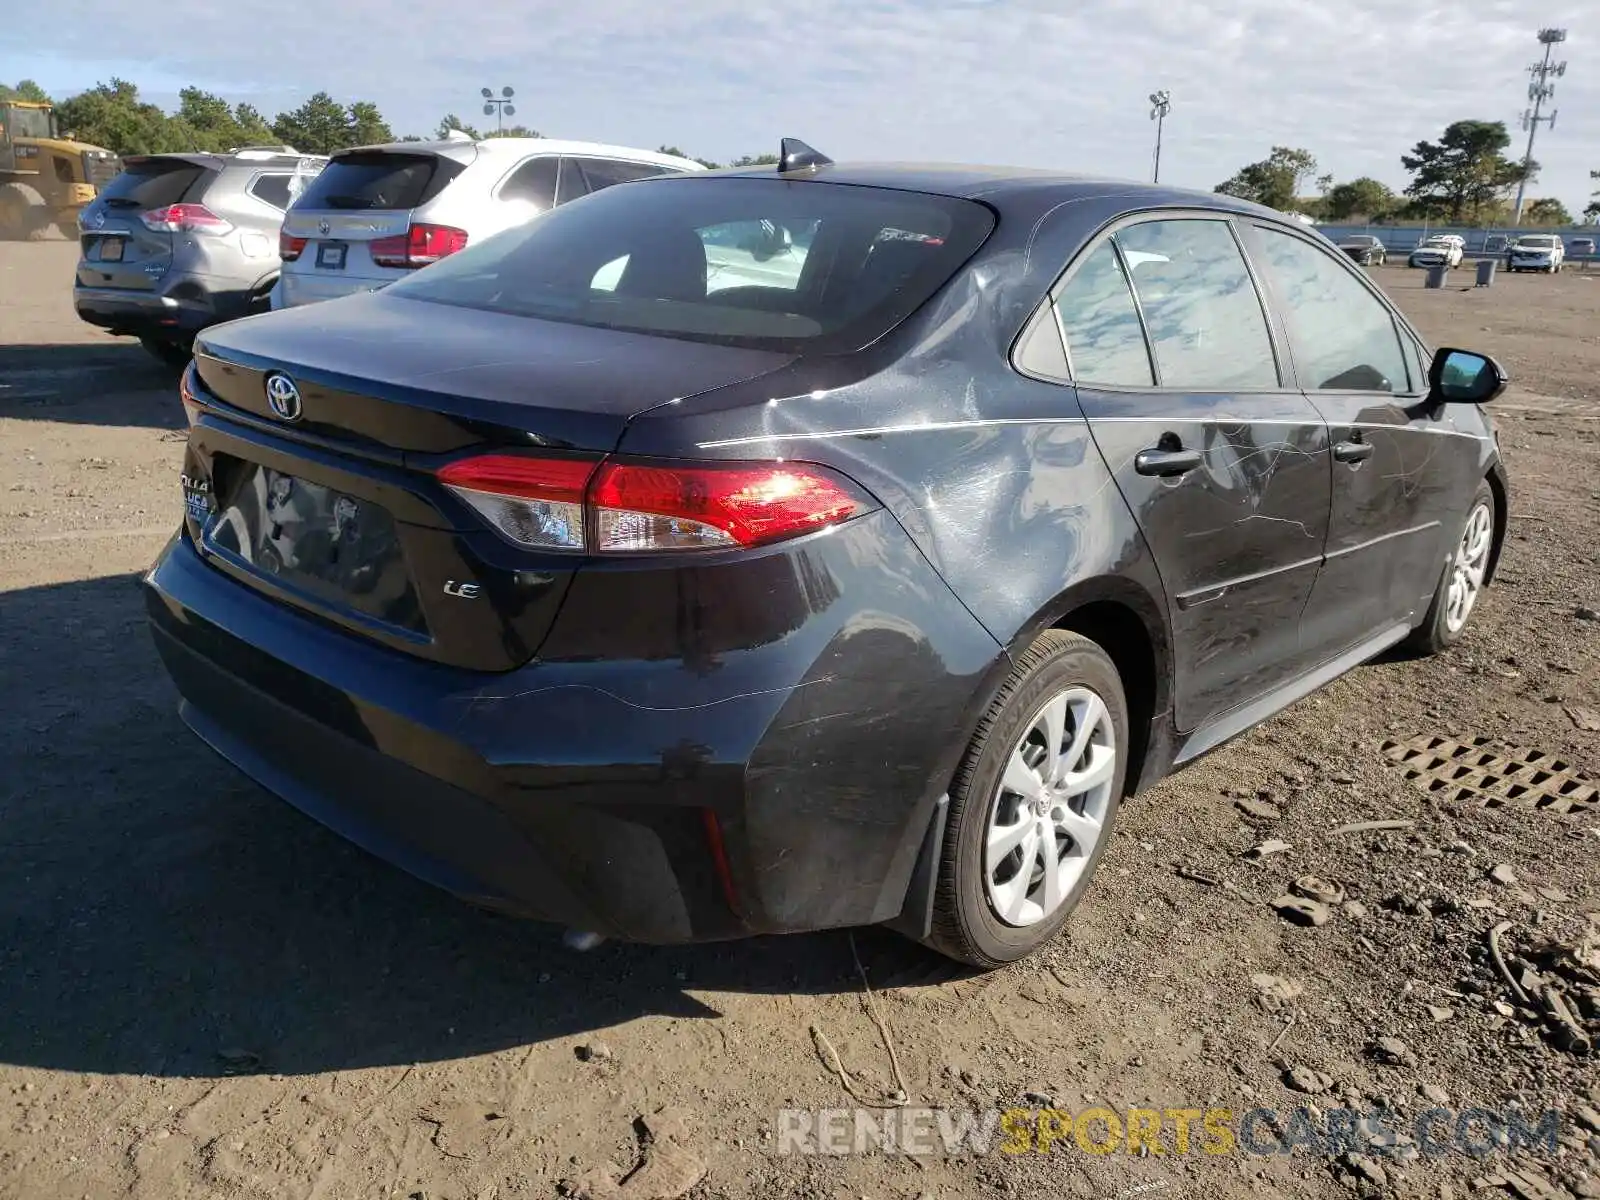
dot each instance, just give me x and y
(330, 256)
(340, 549)
(110, 249)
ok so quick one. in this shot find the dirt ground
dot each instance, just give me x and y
(204, 994)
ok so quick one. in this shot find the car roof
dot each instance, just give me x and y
(998, 184)
(217, 162)
(506, 147)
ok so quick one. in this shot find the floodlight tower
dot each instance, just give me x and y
(1540, 89)
(499, 107)
(1160, 106)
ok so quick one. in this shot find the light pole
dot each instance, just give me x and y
(499, 107)
(1160, 106)
(1540, 90)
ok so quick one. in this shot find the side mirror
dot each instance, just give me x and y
(1464, 377)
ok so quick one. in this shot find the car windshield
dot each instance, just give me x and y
(1361, 241)
(765, 263)
(1536, 243)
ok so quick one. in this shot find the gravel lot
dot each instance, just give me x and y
(204, 994)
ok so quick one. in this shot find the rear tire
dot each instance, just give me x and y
(173, 354)
(1462, 581)
(1032, 803)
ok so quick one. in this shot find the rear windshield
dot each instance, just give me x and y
(763, 263)
(156, 183)
(379, 179)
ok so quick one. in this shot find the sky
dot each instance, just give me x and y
(1061, 84)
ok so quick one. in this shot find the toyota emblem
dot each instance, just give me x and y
(283, 397)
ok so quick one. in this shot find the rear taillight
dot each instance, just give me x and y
(191, 406)
(184, 218)
(623, 507)
(533, 501)
(290, 248)
(418, 246)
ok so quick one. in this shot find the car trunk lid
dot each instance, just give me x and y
(117, 249)
(351, 227)
(338, 511)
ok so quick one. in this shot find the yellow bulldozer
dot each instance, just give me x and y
(45, 178)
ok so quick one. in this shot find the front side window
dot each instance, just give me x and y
(603, 172)
(1201, 310)
(1343, 337)
(1105, 341)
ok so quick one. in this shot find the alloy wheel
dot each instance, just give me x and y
(1049, 810)
(1468, 567)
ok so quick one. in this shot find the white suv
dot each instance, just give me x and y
(1536, 252)
(379, 212)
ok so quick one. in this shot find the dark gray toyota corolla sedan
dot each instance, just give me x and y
(765, 551)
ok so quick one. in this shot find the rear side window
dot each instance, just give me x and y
(534, 182)
(1207, 329)
(1105, 341)
(1342, 335)
(764, 263)
(379, 179)
(274, 189)
(156, 183)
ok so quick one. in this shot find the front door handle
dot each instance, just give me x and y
(1352, 452)
(1165, 463)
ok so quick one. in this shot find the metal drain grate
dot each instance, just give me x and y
(1479, 772)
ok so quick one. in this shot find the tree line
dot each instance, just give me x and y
(1463, 178)
(112, 116)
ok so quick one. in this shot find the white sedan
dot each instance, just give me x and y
(1441, 250)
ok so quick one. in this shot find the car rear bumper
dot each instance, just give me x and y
(184, 305)
(303, 287)
(595, 794)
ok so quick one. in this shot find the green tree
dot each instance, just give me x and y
(521, 131)
(26, 89)
(254, 129)
(209, 120)
(1364, 197)
(367, 126)
(1592, 212)
(1547, 211)
(760, 160)
(1463, 171)
(319, 126)
(677, 153)
(451, 121)
(112, 115)
(1275, 180)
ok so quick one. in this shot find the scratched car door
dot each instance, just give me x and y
(1223, 465)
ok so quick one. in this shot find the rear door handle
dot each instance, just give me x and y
(1166, 463)
(1352, 452)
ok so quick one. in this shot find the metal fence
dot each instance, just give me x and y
(1480, 243)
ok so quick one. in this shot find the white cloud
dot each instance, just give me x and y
(1032, 82)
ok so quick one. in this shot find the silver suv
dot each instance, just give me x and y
(379, 212)
(178, 242)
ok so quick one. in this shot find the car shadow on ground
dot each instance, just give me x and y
(160, 910)
(112, 384)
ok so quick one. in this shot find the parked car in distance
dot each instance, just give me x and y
(593, 590)
(380, 212)
(179, 242)
(1536, 252)
(1580, 247)
(1440, 250)
(1364, 249)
